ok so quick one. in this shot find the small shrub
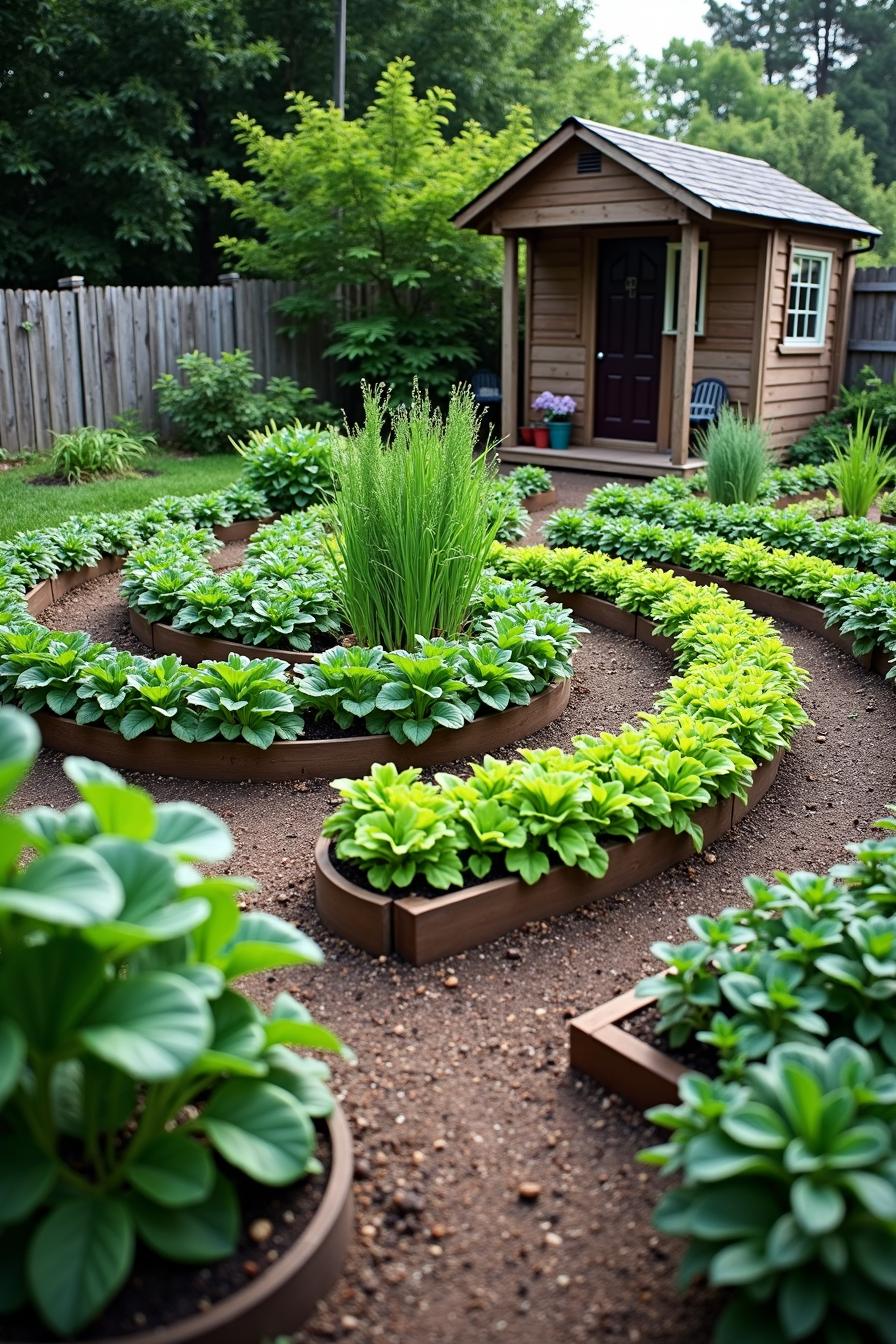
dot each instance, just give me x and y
(860, 471)
(737, 457)
(292, 467)
(136, 1079)
(216, 401)
(83, 454)
(411, 518)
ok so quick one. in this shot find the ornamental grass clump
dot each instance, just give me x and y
(737, 458)
(412, 518)
(861, 470)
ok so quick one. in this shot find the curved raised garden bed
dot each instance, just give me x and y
(195, 649)
(423, 929)
(281, 1299)
(542, 499)
(310, 758)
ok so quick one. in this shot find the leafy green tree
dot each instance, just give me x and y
(866, 89)
(361, 207)
(110, 115)
(800, 40)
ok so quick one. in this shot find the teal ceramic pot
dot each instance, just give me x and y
(560, 431)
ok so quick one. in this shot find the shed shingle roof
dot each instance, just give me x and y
(731, 181)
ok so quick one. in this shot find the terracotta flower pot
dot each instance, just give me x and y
(542, 436)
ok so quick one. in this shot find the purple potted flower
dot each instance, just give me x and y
(557, 412)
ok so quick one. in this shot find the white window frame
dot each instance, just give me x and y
(817, 340)
(670, 315)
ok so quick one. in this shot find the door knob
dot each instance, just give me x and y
(600, 354)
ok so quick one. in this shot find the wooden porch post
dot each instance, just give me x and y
(683, 369)
(510, 343)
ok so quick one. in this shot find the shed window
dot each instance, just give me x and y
(673, 278)
(807, 300)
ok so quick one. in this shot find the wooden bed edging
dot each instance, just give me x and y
(618, 1060)
(282, 1298)
(313, 758)
(195, 649)
(542, 499)
(421, 929)
(759, 600)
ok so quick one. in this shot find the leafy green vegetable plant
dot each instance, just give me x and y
(788, 1193)
(134, 1077)
(291, 467)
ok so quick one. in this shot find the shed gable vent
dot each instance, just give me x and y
(590, 161)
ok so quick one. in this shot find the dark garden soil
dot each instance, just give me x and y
(161, 1292)
(461, 1097)
(644, 1026)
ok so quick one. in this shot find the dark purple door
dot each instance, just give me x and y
(630, 297)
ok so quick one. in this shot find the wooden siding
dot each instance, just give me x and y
(556, 193)
(556, 309)
(725, 350)
(797, 386)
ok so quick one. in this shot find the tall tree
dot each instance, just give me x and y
(364, 204)
(802, 40)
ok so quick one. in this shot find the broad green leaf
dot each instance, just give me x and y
(19, 745)
(861, 1146)
(876, 1193)
(305, 1078)
(742, 1262)
(197, 1234)
(874, 1250)
(71, 886)
(756, 1126)
(746, 1322)
(263, 942)
(82, 770)
(89, 1084)
(151, 1027)
(78, 1259)
(238, 1038)
(174, 1170)
(802, 1302)
(27, 1176)
(12, 1056)
(732, 1211)
(192, 832)
(260, 1129)
(818, 1208)
(121, 810)
(48, 987)
(14, 837)
(13, 1278)
(311, 1035)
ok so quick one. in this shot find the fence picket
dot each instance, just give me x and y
(81, 356)
(872, 330)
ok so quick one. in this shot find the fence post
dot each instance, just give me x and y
(71, 282)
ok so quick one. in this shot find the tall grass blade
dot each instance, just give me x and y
(737, 457)
(861, 470)
(412, 520)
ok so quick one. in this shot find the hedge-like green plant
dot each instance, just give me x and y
(291, 467)
(862, 467)
(216, 402)
(133, 1075)
(788, 1193)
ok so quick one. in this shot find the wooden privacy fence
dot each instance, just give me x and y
(83, 355)
(872, 328)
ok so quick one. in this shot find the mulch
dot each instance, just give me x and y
(462, 1091)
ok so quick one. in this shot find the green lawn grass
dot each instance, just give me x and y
(24, 505)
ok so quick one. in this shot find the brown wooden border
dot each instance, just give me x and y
(282, 1298)
(195, 649)
(422, 929)
(307, 758)
(542, 499)
(619, 1061)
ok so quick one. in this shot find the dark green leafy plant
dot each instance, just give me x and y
(788, 1193)
(216, 402)
(131, 1069)
(83, 454)
(245, 697)
(291, 467)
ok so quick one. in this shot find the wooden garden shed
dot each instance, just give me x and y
(630, 240)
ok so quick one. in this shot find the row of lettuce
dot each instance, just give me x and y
(839, 565)
(731, 706)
